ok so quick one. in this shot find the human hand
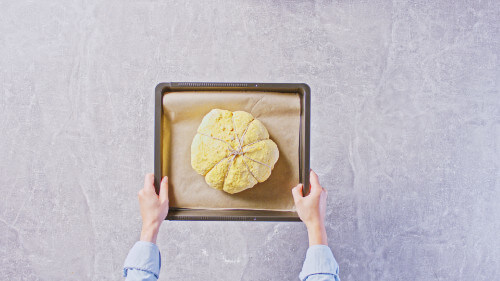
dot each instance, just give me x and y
(312, 209)
(154, 208)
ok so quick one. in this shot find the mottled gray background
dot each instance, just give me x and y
(405, 133)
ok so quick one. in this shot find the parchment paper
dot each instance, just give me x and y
(183, 112)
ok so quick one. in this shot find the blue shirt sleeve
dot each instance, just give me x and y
(319, 265)
(143, 262)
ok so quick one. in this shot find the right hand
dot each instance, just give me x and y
(312, 208)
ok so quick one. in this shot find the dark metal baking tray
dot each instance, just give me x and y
(236, 215)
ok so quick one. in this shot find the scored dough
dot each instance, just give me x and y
(233, 150)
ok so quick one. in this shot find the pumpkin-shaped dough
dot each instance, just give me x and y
(233, 150)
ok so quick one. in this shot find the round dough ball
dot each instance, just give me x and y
(233, 150)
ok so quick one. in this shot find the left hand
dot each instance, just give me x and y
(154, 208)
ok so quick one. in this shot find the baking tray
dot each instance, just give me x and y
(236, 215)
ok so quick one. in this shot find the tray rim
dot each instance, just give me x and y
(183, 214)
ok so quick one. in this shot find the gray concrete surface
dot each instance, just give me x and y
(405, 133)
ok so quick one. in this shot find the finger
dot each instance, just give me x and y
(297, 192)
(315, 186)
(164, 190)
(149, 180)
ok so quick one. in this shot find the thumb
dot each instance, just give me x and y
(297, 192)
(164, 190)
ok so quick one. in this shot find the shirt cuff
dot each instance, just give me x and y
(319, 260)
(143, 256)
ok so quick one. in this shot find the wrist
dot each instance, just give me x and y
(149, 233)
(317, 234)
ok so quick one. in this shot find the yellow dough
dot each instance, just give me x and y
(233, 150)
